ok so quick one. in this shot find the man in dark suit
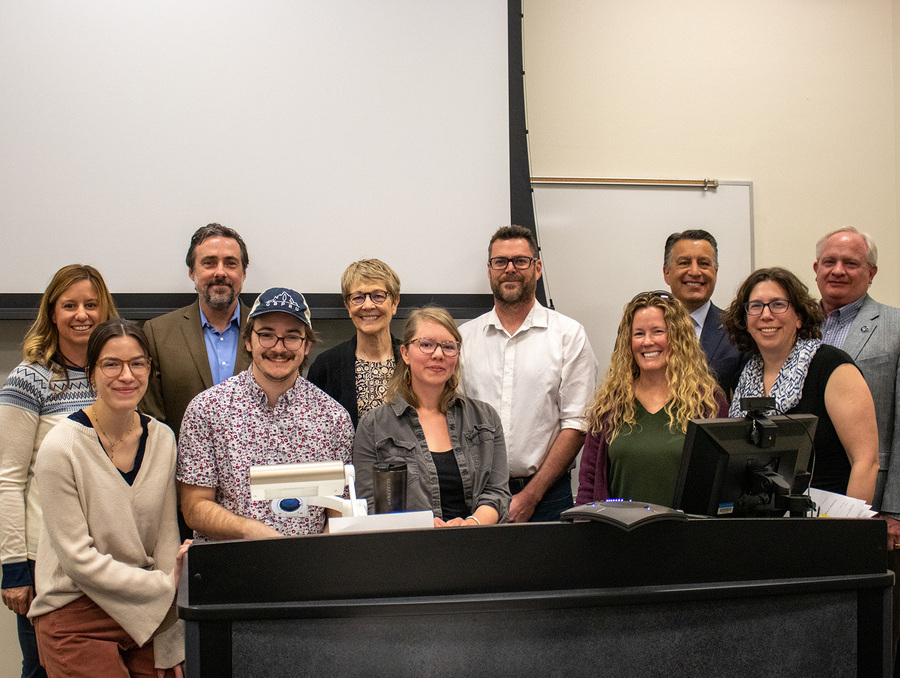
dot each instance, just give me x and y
(199, 346)
(690, 267)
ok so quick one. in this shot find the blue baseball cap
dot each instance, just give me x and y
(282, 300)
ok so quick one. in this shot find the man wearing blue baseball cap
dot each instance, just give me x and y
(267, 414)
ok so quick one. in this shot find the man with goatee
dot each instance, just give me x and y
(536, 368)
(198, 346)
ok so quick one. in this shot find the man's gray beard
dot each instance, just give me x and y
(219, 302)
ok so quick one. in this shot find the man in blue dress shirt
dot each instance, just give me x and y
(197, 347)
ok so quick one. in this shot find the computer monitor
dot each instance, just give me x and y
(753, 467)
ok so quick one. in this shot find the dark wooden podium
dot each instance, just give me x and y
(806, 597)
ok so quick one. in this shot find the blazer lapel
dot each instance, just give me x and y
(192, 332)
(862, 329)
(712, 333)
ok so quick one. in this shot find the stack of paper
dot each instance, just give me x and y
(833, 505)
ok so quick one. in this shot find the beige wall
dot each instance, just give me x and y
(793, 95)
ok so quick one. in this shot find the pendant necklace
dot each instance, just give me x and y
(112, 445)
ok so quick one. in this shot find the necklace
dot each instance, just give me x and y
(112, 446)
(70, 361)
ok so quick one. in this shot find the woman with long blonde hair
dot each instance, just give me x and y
(47, 386)
(658, 380)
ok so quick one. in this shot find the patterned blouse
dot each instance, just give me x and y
(371, 383)
(230, 427)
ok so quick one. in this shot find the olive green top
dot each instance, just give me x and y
(644, 460)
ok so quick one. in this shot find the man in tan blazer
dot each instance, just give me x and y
(198, 346)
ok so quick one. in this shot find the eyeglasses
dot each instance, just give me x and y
(378, 297)
(500, 263)
(429, 346)
(112, 367)
(661, 294)
(776, 306)
(291, 342)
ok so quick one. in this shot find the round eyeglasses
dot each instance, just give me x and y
(292, 342)
(776, 306)
(378, 297)
(112, 367)
(428, 346)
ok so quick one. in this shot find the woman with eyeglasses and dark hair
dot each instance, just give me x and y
(47, 386)
(657, 381)
(774, 319)
(452, 446)
(356, 373)
(109, 559)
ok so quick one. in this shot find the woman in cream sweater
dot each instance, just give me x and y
(108, 558)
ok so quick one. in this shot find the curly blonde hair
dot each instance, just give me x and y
(692, 389)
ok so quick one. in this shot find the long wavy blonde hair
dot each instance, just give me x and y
(692, 389)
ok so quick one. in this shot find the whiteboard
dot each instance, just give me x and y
(323, 131)
(601, 245)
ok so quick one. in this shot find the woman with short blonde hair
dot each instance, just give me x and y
(356, 372)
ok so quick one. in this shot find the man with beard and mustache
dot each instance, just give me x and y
(536, 368)
(267, 414)
(199, 346)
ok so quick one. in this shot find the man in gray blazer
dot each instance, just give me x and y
(199, 346)
(690, 267)
(846, 263)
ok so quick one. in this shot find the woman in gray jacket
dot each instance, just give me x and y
(453, 446)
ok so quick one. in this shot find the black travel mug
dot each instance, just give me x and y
(390, 486)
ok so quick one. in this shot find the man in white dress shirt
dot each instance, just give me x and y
(537, 369)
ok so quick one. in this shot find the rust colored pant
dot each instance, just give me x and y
(81, 640)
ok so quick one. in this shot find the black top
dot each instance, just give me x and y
(81, 417)
(334, 371)
(832, 467)
(453, 503)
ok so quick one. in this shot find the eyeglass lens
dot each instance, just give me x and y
(377, 297)
(269, 340)
(112, 367)
(500, 263)
(429, 346)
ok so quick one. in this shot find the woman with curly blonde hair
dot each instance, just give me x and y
(658, 380)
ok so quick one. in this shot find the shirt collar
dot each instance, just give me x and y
(399, 405)
(538, 316)
(235, 318)
(847, 313)
(257, 392)
(700, 314)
